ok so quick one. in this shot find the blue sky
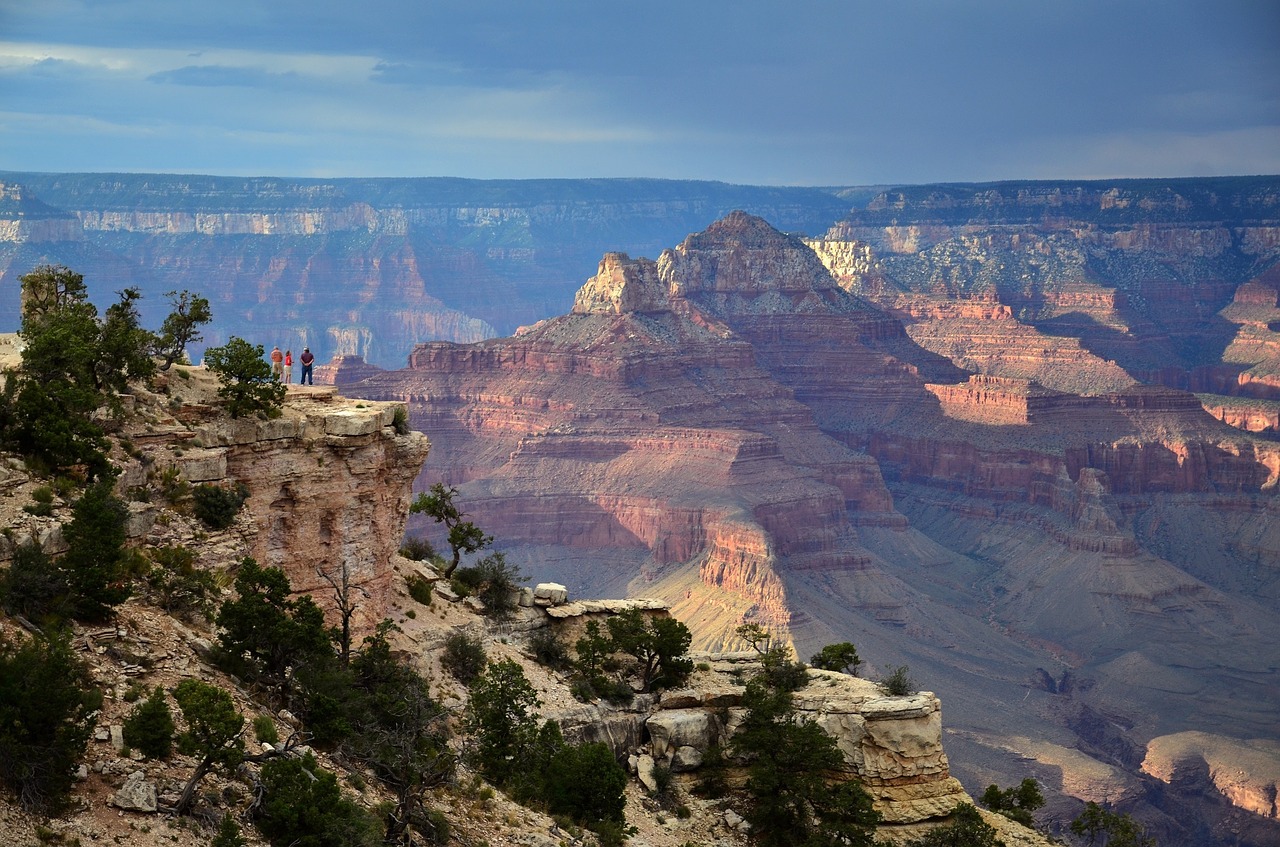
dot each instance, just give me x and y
(807, 92)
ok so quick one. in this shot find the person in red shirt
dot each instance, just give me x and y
(288, 366)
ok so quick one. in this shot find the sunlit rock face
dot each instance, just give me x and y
(729, 428)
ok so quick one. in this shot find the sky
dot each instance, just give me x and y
(803, 92)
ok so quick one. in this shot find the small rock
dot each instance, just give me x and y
(117, 736)
(82, 772)
(732, 819)
(442, 589)
(102, 734)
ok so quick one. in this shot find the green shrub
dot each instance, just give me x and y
(1017, 804)
(586, 783)
(400, 420)
(464, 657)
(842, 657)
(248, 386)
(264, 729)
(176, 585)
(548, 650)
(420, 588)
(216, 507)
(95, 561)
(967, 829)
(228, 834)
(149, 727)
(303, 806)
(494, 582)
(417, 549)
(34, 585)
(897, 681)
(47, 712)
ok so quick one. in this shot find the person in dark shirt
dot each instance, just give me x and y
(306, 359)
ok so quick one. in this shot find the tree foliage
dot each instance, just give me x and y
(302, 806)
(181, 327)
(791, 764)
(464, 536)
(47, 713)
(1113, 829)
(149, 727)
(1017, 804)
(494, 583)
(842, 657)
(659, 645)
(264, 632)
(499, 716)
(95, 564)
(966, 829)
(213, 733)
(248, 386)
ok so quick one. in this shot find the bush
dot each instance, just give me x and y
(248, 386)
(967, 829)
(400, 420)
(264, 729)
(494, 582)
(548, 650)
(464, 657)
(586, 782)
(417, 549)
(302, 806)
(47, 712)
(897, 681)
(95, 561)
(215, 506)
(420, 588)
(659, 645)
(176, 585)
(498, 717)
(149, 728)
(1017, 804)
(842, 657)
(33, 585)
(228, 834)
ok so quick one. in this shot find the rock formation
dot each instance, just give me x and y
(356, 266)
(730, 429)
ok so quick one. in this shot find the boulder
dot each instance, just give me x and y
(550, 593)
(137, 794)
(672, 729)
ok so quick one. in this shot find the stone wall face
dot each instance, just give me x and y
(329, 487)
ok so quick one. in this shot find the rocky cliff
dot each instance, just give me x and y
(729, 427)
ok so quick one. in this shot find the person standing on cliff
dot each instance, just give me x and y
(306, 358)
(288, 366)
(277, 363)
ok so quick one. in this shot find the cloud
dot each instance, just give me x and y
(222, 75)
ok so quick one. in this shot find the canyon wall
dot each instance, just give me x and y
(735, 431)
(356, 267)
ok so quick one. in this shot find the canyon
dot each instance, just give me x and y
(1019, 437)
(1090, 574)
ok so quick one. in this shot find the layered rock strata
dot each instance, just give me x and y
(747, 439)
